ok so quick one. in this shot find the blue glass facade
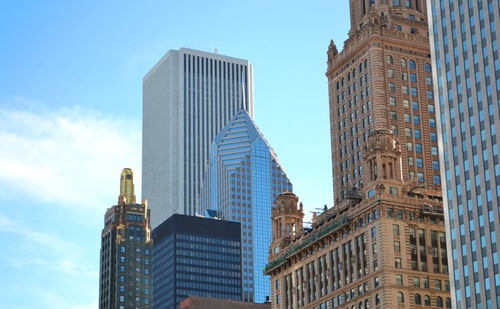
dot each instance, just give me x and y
(196, 256)
(464, 41)
(241, 183)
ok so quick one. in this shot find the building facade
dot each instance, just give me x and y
(188, 97)
(383, 78)
(194, 302)
(241, 183)
(466, 62)
(126, 249)
(195, 256)
(383, 247)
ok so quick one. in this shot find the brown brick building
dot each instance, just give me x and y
(383, 79)
(195, 302)
(384, 247)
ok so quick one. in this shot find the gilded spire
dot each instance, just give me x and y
(127, 195)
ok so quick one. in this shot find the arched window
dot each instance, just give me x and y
(403, 62)
(427, 300)
(412, 64)
(360, 67)
(338, 85)
(439, 302)
(448, 302)
(418, 299)
(367, 304)
(342, 82)
(366, 63)
(377, 299)
(428, 68)
(360, 305)
(401, 298)
(349, 76)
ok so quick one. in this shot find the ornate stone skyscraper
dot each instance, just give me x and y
(125, 272)
(383, 79)
(382, 247)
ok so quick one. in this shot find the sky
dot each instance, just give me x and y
(70, 117)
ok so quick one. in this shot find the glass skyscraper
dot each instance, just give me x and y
(464, 41)
(241, 183)
(188, 97)
(195, 256)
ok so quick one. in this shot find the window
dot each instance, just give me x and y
(414, 92)
(434, 136)
(122, 298)
(392, 101)
(420, 162)
(395, 229)
(414, 105)
(413, 77)
(428, 68)
(431, 109)
(427, 300)
(390, 73)
(407, 118)
(403, 62)
(397, 263)
(410, 161)
(404, 89)
(394, 115)
(432, 122)
(401, 298)
(397, 246)
(439, 302)
(376, 282)
(418, 299)
(392, 87)
(408, 132)
(430, 95)
(412, 64)
(418, 133)
(418, 148)
(377, 299)
(399, 280)
(389, 60)
(406, 104)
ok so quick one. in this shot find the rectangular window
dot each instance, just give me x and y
(397, 246)
(399, 280)
(395, 229)
(418, 133)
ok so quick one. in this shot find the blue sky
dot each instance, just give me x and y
(70, 117)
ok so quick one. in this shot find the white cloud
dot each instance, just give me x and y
(70, 156)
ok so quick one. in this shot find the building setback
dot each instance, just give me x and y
(194, 302)
(241, 183)
(125, 264)
(383, 79)
(195, 256)
(383, 247)
(465, 37)
(188, 97)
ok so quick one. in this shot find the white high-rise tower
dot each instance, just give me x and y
(188, 97)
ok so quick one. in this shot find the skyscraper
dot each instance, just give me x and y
(195, 256)
(383, 247)
(383, 79)
(465, 36)
(125, 271)
(242, 181)
(188, 97)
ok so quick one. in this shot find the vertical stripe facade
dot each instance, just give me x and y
(188, 98)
